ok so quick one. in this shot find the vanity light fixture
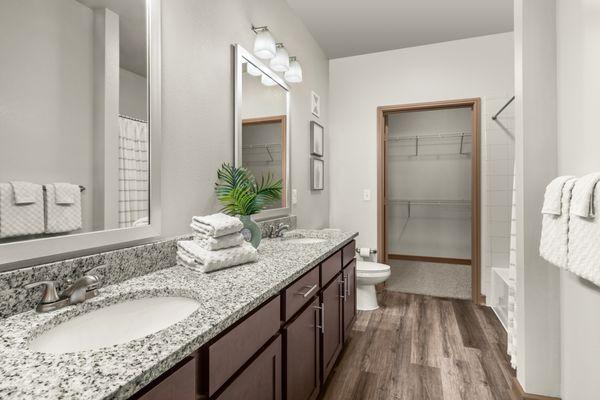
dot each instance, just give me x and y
(267, 81)
(294, 74)
(252, 70)
(264, 43)
(281, 61)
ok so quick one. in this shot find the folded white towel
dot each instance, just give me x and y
(20, 219)
(209, 261)
(582, 203)
(66, 193)
(216, 225)
(553, 195)
(25, 192)
(221, 242)
(555, 228)
(62, 217)
(584, 243)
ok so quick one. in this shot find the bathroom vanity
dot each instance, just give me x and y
(269, 330)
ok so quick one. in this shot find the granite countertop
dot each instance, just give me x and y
(119, 371)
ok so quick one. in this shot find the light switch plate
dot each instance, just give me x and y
(294, 196)
(367, 194)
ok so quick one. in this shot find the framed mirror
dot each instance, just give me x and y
(262, 125)
(79, 126)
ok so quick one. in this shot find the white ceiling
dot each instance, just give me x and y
(350, 27)
(132, 31)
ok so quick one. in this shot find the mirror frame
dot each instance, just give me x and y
(30, 252)
(241, 54)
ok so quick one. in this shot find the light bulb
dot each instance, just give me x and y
(294, 74)
(281, 61)
(264, 45)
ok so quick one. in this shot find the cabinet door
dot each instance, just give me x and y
(178, 385)
(331, 336)
(261, 380)
(349, 276)
(302, 337)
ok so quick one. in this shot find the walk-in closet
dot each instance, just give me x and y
(428, 178)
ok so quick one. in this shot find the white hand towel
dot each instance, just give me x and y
(220, 224)
(25, 192)
(555, 228)
(20, 219)
(62, 217)
(584, 243)
(582, 203)
(554, 194)
(222, 242)
(209, 261)
(66, 193)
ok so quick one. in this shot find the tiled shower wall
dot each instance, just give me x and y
(497, 171)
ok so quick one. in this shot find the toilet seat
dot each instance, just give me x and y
(368, 268)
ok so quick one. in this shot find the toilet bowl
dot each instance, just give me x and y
(369, 274)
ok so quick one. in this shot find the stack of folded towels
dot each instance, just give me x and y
(217, 244)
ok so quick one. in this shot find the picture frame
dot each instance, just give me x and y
(317, 139)
(317, 173)
(315, 104)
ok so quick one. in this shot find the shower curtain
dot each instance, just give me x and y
(133, 173)
(512, 274)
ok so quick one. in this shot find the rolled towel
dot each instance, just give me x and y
(582, 203)
(217, 225)
(25, 192)
(553, 196)
(221, 242)
(555, 229)
(209, 261)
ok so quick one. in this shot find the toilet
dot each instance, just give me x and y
(369, 274)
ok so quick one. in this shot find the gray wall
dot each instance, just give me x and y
(578, 144)
(198, 102)
(132, 95)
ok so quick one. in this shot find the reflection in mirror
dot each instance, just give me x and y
(74, 134)
(264, 125)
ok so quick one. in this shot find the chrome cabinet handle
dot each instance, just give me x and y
(309, 291)
(347, 285)
(343, 288)
(322, 312)
(50, 295)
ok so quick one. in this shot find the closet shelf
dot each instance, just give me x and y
(428, 137)
(269, 147)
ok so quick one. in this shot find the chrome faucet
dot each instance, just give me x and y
(277, 231)
(79, 291)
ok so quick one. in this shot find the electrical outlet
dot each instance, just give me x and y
(294, 196)
(367, 194)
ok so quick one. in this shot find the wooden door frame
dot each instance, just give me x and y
(282, 119)
(475, 105)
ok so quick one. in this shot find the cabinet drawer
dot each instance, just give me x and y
(230, 352)
(300, 292)
(261, 380)
(178, 385)
(331, 267)
(348, 252)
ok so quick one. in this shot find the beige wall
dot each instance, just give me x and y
(198, 102)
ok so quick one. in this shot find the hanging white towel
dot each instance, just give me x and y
(24, 192)
(208, 261)
(553, 195)
(583, 196)
(66, 193)
(62, 218)
(20, 219)
(555, 227)
(216, 225)
(584, 237)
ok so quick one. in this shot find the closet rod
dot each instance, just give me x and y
(133, 119)
(503, 107)
(430, 136)
(81, 188)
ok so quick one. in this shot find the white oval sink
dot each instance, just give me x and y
(304, 240)
(115, 324)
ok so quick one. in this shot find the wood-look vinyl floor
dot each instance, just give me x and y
(418, 347)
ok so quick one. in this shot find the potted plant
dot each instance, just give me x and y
(241, 195)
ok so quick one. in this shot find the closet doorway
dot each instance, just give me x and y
(429, 197)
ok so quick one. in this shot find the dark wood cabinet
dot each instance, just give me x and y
(261, 380)
(349, 276)
(332, 333)
(177, 384)
(302, 354)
